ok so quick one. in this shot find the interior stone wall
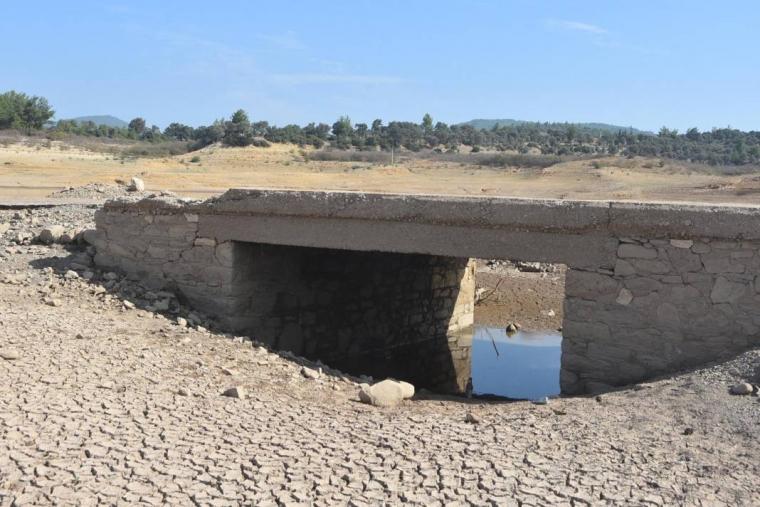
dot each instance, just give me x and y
(667, 305)
(383, 314)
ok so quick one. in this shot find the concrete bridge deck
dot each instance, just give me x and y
(651, 287)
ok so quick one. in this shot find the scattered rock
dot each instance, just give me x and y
(181, 322)
(51, 234)
(471, 418)
(688, 431)
(311, 373)
(52, 301)
(71, 275)
(541, 401)
(741, 389)
(9, 354)
(235, 392)
(183, 392)
(136, 185)
(513, 327)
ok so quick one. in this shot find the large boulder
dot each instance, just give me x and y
(387, 393)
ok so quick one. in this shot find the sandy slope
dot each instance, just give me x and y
(29, 171)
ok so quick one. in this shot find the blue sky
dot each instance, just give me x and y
(644, 64)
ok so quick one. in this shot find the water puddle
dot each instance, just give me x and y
(522, 365)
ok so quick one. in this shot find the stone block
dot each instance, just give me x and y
(720, 262)
(684, 260)
(725, 291)
(584, 332)
(641, 286)
(646, 266)
(633, 251)
(624, 268)
(592, 286)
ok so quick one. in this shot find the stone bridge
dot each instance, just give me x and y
(384, 284)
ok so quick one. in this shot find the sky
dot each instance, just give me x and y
(641, 64)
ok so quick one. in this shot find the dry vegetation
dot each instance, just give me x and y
(32, 168)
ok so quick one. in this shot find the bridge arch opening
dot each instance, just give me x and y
(517, 341)
(407, 316)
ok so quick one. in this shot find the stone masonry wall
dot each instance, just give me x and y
(164, 251)
(384, 314)
(375, 313)
(666, 305)
(650, 289)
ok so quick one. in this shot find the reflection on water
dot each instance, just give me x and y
(523, 365)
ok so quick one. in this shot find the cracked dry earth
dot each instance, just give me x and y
(112, 405)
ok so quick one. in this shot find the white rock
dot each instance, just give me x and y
(387, 393)
(53, 302)
(204, 242)
(136, 184)
(71, 275)
(4, 227)
(407, 389)
(681, 243)
(741, 389)
(624, 297)
(9, 354)
(181, 322)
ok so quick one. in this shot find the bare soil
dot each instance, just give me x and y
(34, 171)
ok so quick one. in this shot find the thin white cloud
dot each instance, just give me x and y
(288, 40)
(576, 26)
(327, 78)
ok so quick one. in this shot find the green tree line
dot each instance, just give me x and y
(725, 146)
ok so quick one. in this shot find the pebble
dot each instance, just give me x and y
(9, 354)
(471, 418)
(235, 392)
(311, 373)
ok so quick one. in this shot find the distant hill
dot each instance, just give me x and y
(107, 120)
(592, 127)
